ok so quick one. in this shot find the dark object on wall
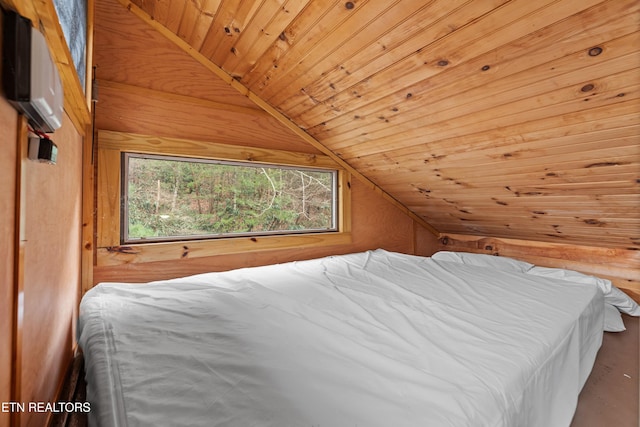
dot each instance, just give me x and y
(43, 150)
(30, 78)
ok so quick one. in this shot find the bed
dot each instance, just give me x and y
(366, 339)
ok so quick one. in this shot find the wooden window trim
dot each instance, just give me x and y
(111, 252)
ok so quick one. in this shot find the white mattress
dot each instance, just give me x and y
(368, 339)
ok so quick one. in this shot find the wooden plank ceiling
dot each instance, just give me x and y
(498, 118)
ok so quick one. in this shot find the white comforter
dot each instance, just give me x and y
(369, 339)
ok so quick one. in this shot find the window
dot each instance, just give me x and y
(72, 15)
(175, 198)
(162, 199)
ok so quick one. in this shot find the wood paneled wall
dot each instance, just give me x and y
(39, 265)
(376, 224)
(172, 104)
(516, 119)
(8, 128)
(40, 239)
(185, 100)
(51, 267)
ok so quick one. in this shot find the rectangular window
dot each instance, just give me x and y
(169, 198)
(161, 199)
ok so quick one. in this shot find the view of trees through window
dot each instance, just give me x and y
(171, 197)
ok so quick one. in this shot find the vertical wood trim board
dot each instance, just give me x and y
(88, 213)
(18, 281)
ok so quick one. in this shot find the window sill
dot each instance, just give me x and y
(171, 251)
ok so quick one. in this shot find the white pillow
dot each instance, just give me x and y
(612, 319)
(621, 300)
(482, 260)
(572, 276)
(612, 295)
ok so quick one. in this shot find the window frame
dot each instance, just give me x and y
(110, 250)
(126, 239)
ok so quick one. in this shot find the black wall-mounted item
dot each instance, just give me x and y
(43, 150)
(16, 66)
(30, 78)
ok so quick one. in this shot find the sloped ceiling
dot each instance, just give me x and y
(513, 119)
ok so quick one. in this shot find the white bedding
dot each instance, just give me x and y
(368, 339)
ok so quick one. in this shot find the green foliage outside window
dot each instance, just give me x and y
(182, 198)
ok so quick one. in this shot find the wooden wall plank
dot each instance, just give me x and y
(314, 23)
(126, 52)
(19, 270)
(521, 233)
(619, 152)
(296, 33)
(398, 74)
(565, 100)
(627, 156)
(231, 20)
(52, 259)
(409, 30)
(268, 25)
(501, 26)
(108, 199)
(203, 23)
(89, 157)
(169, 96)
(172, 252)
(9, 163)
(545, 46)
(621, 114)
(189, 120)
(568, 71)
(109, 140)
(188, 21)
(440, 22)
(573, 228)
(618, 265)
(174, 16)
(43, 262)
(621, 131)
(359, 26)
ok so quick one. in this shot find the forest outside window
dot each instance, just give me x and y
(168, 198)
(161, 198)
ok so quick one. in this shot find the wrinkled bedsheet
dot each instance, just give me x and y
(368, 339)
